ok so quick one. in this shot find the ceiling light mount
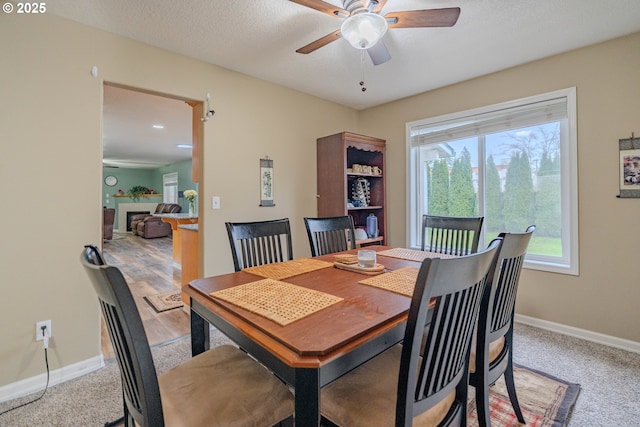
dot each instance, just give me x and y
(364, 30)
(364, 24)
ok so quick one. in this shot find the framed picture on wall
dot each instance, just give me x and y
(629, 167)
(266, 182)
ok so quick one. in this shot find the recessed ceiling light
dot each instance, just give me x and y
(184, 146)
(158, 126)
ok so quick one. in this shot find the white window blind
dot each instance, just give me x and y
(170, 188)
(541, 126)
(491, 122)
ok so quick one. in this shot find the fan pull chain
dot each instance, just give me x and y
(364, 88)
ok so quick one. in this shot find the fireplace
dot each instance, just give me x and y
(130, 215)
(124, 220)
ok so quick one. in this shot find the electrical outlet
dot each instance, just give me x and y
(39, 325)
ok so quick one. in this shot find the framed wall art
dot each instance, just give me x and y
(629, 167)
(266, 182)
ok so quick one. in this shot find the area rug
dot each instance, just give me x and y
(165, 301)
(546, 401)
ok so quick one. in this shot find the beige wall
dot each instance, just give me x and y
(50, 169)
(604, 297)
(50, 172)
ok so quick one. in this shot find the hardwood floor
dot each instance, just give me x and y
(147, 265)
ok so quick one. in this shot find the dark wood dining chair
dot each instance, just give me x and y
(220, 387)
(423, 381)
(453, 235)
(331, 234)
(260, 242)
(492, 354)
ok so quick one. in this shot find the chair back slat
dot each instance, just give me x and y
(129, 383)
(495, 325)
(505, 293)
(498, 313)
(331, 234)
(451, 235)
(141, 393)
(437, 341)
(257, 243)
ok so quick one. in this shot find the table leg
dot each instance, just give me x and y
(199, 334)
(307, 397)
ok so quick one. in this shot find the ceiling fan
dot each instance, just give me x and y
(363, 26)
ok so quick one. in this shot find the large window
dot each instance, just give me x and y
(170, 188)
(514, 163)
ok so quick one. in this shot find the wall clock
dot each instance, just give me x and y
(111, 180)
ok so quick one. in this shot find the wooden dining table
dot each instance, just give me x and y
(311, 352)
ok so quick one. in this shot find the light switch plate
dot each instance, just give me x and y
(215, 202)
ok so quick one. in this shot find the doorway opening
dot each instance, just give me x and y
(144, 139)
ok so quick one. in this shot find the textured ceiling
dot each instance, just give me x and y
(259, 38)
(129, 138)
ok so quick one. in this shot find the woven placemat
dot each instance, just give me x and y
(281, 302)
(283, 270)
(401, 281)
(413, 254)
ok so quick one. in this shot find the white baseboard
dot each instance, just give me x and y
(584, 334)
(37, 383)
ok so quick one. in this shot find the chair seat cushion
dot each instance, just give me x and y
(495, 348)
(223, 387)
(367, 396)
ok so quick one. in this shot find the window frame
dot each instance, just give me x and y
(568, 264)
(170, 180)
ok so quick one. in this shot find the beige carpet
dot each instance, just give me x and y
(94, 399)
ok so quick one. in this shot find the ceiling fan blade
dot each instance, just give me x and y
(379, 53)
(320, 42)
(446, 17)
(323, 7)
(379, 6)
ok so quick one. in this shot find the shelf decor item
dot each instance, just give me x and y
(362, 192)
(266, 182)
(372, 226)
(191, 196)
(137, 191)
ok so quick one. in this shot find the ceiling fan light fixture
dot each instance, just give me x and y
(364, 30)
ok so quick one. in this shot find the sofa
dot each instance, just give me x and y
(149, 226)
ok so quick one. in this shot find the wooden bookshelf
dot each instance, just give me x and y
(336, 155)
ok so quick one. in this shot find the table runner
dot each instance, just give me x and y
(283, 270)
(401, 281)
(413, 254)
(281, 302)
